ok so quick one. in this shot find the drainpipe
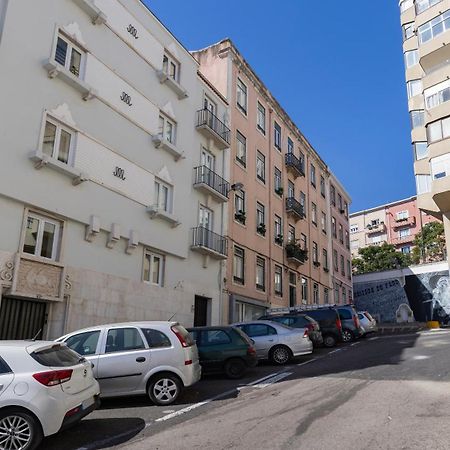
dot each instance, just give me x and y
(270, 218)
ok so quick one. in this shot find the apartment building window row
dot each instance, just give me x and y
(291, 234)
(171, 67)
(261, 118)
(241, 96)
(260, 274)
(438, 130)
(166, 129)
(333, 227)
(313, 175)
(423, 184)
(423, 5)
(316, 300)
(438, 94)
(332, 195)
(69, 56)
(163, 196)
(406, 4)
(290, 145)
(260, 166)
(278, 184)
(260, 219)
(278, 236)
(411, 58)
(153, 268)
(239, 206)
(241, 148)
(417, 118)
(434, 27)
(325, 259)
(42, 237)
(408, 30)
(314, 214)
(322, 186)
(278, 280)
(324, 223)
(58, 141)
(277, 135)
(414, 87)
(302, 201)
(420, 150)
(440, 166)
(315, 253)
(239, 265)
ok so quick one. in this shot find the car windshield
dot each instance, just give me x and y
(56, 356)
(243, 335)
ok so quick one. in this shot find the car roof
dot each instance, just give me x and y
(147, 323)
(205, 328)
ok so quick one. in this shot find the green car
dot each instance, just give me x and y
(224, 350)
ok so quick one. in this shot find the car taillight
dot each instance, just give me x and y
(54, 377)
(310, 327)
(356, 321)
(305, 334)
(180, 337)
(339, 323)
(188, 362)
(251, 351)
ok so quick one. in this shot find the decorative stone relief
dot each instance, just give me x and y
(63, 113)
(168, 109)
(67, 283)
(73, 30)
(164, 175)
(6, 274)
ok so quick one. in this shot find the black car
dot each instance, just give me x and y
(351, 328)
(299, 321)
(224, 350)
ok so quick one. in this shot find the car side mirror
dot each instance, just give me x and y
(252, 341)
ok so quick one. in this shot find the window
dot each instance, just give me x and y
(313, 175)
(344, 294)
(349, 268)
(420, 150)
(414, 87)
(326, 295)
(417, 118)
(291, 189)
(303, 202)
(347, 239)
(341, 234)
(260, 214)
(325, 258)
(239, 202)
(291, 234)
(277, 182)
(278, 229)
(123, 340)
(408, 30)
(314, 213)
(290, 145)
(333, 195)
(411, 58)
(69, 56)
(260, 166)
(354, 244)
(277, 136)
(278, 281)
(241, 148)
(303, 241)
(301, 158)
(304, 290)
(437, 94)
(335, 260)
(58, 141)
(163, 196)
(438, 130)
(261, 118)
(155, 338)
(336, 294)
(260, 273)
(340, 203)
(315, 252)
(241, 96)
(401, 215)
(215, 337)
(153, 268)
(171, 67)
(322, 186)
(423, 184)
(406, 249)
(375, 240)
(84, 343)
(315, 293)
(255, 330)
(342, 265)
(4, 368)
(440, 166)
(405, 4)
(238, 265)
(166, 129)
(346, 209)
(41, 237)
(422, 5)
(333, 227)
(324, 222)
(434, 27)
(354, 228)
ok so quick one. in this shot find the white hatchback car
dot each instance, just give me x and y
(44, 387)
(153, 358)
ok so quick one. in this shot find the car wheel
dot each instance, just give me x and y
(19, 430)
(164, 389)
(234, 368)
(347, 336)
(280, 355)
(329, 341)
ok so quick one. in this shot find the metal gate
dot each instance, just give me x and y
(21, 319)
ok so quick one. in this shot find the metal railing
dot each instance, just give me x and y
(202, 237)
(293, 205)
(204, 174)
(206, 117)
(294, 251)
(292, 161)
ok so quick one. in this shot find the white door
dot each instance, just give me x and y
(209, 105)
(208, 160)
(206, 218)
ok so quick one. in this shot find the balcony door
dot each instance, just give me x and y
(205, 218)
(209, 105)
(208, 160)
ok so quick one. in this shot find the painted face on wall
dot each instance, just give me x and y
(441, 293)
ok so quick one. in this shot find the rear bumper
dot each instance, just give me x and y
(75, 418)
(305, 348)
(251, 361)
(316, 338)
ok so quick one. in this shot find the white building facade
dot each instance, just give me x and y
(113, 173)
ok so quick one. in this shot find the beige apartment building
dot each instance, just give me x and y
(426, 39)
(288, 229)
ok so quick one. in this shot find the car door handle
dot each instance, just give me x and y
(140, 359)
(270, 340)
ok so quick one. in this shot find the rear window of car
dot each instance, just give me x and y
(215, 337)
(361, 316)
(4, 368)
(56, 356)
(368, 316)
(243, 335)
(156, 338)
(345, 314)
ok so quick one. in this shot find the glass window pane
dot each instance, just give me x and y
(84, 343)
(31, 233)
(49, 139)
(48, 239)
(434, 131)
(156, 339)
(64, 146)
(156, 270)
(123, 339)
(75, 62)
(421, 150)
(446, 128)
(147, 260)
(61, 52)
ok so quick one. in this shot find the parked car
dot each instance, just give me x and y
(275, 341)
(351, 328)
(368, 323)
(296, 320)
(224, 350)
(44, 387)
(153, 358)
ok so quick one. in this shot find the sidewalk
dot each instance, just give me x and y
(401, 328)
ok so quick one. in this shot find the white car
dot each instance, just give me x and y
(133, 358)
(44, 387)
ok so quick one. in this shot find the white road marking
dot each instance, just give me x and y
(272, 380)
(355, 343)
(309, 361)
(334, 351)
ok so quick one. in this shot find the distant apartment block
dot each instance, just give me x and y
(395, 223)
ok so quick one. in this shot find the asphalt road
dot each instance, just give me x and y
(387, 392)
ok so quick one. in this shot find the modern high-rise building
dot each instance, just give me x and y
(288, 219)
(426, 46)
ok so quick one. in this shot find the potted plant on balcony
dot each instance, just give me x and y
(279, 190)
(240, 216)
(261, 229)
(279, 239)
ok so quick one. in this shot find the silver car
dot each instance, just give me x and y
(153, 358)
(275, 341)
(367, 322)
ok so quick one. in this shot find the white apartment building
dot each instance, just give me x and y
(113, 171)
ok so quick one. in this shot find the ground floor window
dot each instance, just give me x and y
(246, 311)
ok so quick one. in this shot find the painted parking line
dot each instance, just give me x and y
(272, 380)
(354, 343)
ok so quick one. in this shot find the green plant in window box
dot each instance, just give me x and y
(279, 191)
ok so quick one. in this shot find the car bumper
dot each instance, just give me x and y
(192, 374)
(316, 338)
(251, 361)
(304, 348)
(82, 412)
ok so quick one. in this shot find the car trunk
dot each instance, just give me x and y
(80, 380)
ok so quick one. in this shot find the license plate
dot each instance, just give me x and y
(87, 403)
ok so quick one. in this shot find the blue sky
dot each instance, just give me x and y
(335, 67)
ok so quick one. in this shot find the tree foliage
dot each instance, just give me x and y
(429, 243)
(375, 258)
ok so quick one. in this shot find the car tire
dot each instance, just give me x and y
(347, 335)
(235, 368)
(25, 425)
(329, 341)
(280, 355)
(164, 389)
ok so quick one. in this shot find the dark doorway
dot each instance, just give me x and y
(22, 319)
(201, 311)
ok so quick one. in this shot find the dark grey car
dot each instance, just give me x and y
(351, 328)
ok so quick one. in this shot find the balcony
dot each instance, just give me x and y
(210, 183)
(403, 240)
(212, 127)
(296, 254)
(294, 208)
(378, 228)
(405, 222)
(209, 243)
(294, 165)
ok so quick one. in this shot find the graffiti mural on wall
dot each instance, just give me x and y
(418, 297)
